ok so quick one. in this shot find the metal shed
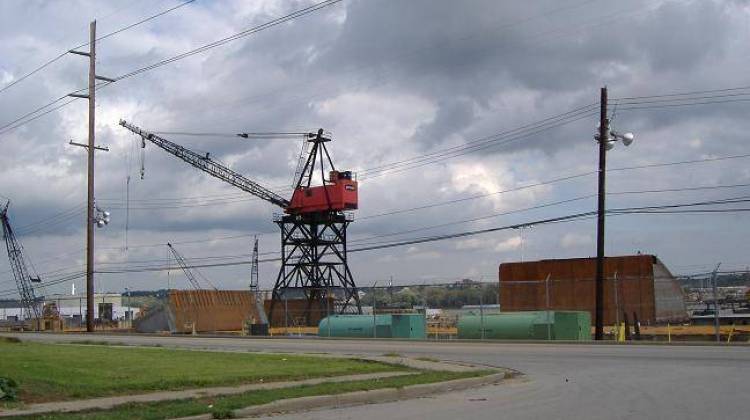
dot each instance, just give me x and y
(634, 284)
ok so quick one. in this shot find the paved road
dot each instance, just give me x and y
(560, 381)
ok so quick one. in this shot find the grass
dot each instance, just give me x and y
(57, 372)
(222, 407)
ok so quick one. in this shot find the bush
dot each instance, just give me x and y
(222, 413)
(8, 389)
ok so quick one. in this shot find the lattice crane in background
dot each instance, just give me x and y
(24, 280)
(313, 227)
(255, 284)
(186, 269)
(254, 275)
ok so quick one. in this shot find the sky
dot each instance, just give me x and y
(420, 98)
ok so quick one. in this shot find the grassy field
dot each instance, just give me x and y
(56, 372)
(221, 407)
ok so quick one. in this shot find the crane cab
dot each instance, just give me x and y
(338, 194)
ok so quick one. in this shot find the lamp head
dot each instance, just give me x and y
(627, 139)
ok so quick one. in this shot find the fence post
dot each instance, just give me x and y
(617, 303)
(328, 309)
(549, 327)
(286, 315)
(481, 313)
(627, 326)
(374, 318)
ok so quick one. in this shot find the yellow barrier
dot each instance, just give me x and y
(293, 331)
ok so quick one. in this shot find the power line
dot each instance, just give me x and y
(140, 22)
(476, 219)
(256, 135)
(434, 238)
(231, 198)
(497, 139)
(63, 54)
(299, 13)
(566, 218)
(274, 22)
(629, 210)
(64, 216)
(688, 93)
(682, 162)
(55, 216)
(676, 105)
(677, 99)
(570, 177)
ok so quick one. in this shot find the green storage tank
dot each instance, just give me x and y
(509, 326)
(358, 326)
(572, 325)
(411, 326)
(531, 325)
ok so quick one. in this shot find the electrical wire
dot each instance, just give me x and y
(257, 135)
(501, 138)
(677, 105)
(63, 54)
(570, 177)
(677, 94)
(390, 244)
(274, 22)
(476, 219)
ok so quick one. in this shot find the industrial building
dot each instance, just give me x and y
(187, 311)
(71, 309)
(636, 285)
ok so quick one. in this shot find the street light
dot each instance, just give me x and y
(101, 218)
(606, 139)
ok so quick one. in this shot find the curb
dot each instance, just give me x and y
(363, 397)
(112, 335)
(370, 396)
(112, 402)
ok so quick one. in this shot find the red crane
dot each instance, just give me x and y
(313, 227)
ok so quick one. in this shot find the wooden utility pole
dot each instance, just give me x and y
(90, 148)
(603, 138)
(90, 196)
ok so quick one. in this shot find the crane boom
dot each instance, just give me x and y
(183, 265)
(204, 163)
(18, 266)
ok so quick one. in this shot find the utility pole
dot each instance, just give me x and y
(603, 138)
(90, 147)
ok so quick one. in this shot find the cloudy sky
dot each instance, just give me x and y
(420, 97)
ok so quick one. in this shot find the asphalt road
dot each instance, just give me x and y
(560, 381)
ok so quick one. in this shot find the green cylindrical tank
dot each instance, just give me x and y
(531, 325)
(509, 326)
(355, 326)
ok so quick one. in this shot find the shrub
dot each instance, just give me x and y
(8, 389)
(222, 413)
